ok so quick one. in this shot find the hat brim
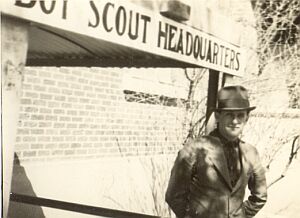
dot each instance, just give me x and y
(235, 109)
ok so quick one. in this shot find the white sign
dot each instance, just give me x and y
(130, 25)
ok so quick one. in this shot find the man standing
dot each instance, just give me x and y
(211, 173)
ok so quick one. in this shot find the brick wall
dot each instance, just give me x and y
(69, 113)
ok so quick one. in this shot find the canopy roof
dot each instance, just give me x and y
(49, 46)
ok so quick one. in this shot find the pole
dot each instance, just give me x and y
(212, 92)
(14, 40)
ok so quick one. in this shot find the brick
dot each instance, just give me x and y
(54, 90)
(30, 72)
(109, 144)
(95, 113)
(45, 110)
(82, 138)
(64, 119)
(37, 146)
(25, 101)
(97, 145)
(67, 92)
(26, 87)
(88, 132)
(75, 145)
(88, 88)
(39, 102)
(101, 108)
(18, 139)
(115, 74)
(94, 83)
(115, 86)
(83, 81)
(49, 82)
(59, 125)
(64, 145)
(105, 138)
(84, 100)
(109, 91)
(50, 146)
(43, 138)
(95, 101)
(65, 70)
(69, 152)
(92, 151)
(72, 125)
(37, 117)
(77, 72)
(113, 97)
(77, 132)
(57, 152)
(106, 103)
(51, 118)
(70, 138)
(29, 153)
(104, 84)
(63, 84)
(79, 93)
(93, 138)
(46, 96)
(51, 131)
(60, 98)
(37, 131)
(22, 146)
(23, 131)
(88, 120)
(31, 94)
(44, 73)
(90, 107)
(53, 104)
(30, 124)
(72, 99)
(58, 111)
(31, 109)
(39, 88)
(29, 139)
(66, 105)
(75, 86)
(43, 153)
(81, 151)
(83, 126)
(33, 80)
(65, 132)
(97, 89)
(72, 112)
(83, 113)
(71, 78)
(91, 95)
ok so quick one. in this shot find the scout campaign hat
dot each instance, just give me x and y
(233, 98)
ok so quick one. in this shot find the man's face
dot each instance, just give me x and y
(231, 123)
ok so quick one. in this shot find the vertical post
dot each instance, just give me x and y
(212, 92)
(14, 40)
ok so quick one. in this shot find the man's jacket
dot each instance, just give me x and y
(200, 186)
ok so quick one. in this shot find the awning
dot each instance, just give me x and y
(50, 46)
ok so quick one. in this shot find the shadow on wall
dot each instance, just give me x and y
(21, 185)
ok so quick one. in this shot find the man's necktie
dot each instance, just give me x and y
(232, 156)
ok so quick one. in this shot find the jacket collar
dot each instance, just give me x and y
(218, 158)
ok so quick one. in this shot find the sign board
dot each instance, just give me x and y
(130, 25)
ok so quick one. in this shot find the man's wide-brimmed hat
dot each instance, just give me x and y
(233, 98)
